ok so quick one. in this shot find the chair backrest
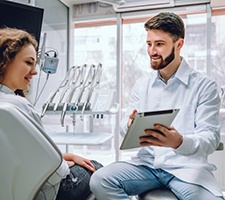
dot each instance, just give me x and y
(28, 157)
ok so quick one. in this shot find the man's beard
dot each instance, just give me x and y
(163, 63)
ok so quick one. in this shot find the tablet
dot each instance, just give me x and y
(143, 121)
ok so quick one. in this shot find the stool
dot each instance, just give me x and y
(91, 197)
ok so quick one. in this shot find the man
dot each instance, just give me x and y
(176, 158)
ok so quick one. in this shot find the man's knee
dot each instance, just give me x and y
(95, 180)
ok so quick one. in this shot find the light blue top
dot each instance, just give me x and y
(50, 188)
(198, 99)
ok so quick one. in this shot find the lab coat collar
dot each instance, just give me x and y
(183, 72)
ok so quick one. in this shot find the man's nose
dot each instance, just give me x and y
(152, 50)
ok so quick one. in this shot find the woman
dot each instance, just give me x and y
(18, 57)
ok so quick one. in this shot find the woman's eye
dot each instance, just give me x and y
(29, 63)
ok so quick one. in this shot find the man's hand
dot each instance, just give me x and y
(162, 136)
(131, 117)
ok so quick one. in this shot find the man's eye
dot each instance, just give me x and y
(159, 44)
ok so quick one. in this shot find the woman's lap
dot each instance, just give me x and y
(76, 184)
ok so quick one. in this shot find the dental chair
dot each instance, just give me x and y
(165, 194)
(28, 157)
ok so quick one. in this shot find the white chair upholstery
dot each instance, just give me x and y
(28, 156)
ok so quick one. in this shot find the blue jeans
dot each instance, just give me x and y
(76, 185)
(121, 180)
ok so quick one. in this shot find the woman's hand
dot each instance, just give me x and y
(70, 163)
(74, 159)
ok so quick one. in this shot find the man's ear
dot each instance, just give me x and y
(180, 43)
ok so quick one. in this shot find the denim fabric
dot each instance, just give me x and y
(76, 185)
(120, 180)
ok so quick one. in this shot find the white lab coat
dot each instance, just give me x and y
(198, 99)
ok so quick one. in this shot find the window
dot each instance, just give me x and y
(218, 55)
(95, 43)
(218, 46)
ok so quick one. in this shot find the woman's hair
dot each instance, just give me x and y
(169, 23)
(12, 40)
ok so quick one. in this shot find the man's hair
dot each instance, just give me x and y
(167, 22)
(12, 40)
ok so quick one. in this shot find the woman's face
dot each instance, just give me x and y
(21, 69)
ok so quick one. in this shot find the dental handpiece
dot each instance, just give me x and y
(53, 96)
(94, 82)
(69, 97)
(66, 87)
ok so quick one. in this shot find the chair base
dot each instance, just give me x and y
(159, 194)
(91, 197)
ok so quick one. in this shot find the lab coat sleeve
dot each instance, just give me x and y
(133, 104)
(206, 136)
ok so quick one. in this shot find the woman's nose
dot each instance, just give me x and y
(34, 71)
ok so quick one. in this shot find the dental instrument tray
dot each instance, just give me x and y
(143, 121)
(80, 93)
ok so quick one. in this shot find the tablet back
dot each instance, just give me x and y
(143, 121)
